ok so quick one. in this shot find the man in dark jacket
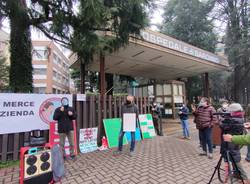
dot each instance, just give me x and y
(128, 107)
(183, 113)
(65, 115)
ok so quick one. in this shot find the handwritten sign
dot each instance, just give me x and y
(88, 140)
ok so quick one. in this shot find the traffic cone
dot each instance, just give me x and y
(104, 143)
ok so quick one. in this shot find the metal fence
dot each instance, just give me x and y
(89, 114)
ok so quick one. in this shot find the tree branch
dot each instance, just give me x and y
(41, 28)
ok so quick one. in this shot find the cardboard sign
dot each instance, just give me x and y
(147, 126)
(112, 128)
(88, 140)
(55, 139)
(129, 122)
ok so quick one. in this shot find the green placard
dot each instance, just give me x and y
(147, 126)
(112, 129)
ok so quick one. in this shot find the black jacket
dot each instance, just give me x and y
(129, 108)
(234, 127)
(65, 123)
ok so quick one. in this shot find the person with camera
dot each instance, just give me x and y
(240, 139)
(204, 120)
(183, 114)
(233, 124)
(65, 115)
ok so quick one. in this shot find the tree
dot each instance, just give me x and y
(20, 45)
(82, 30)
(4, 74)
(237, 40)
(187, 20)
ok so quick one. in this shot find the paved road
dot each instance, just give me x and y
(166, 159)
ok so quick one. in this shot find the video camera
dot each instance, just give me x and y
(232, 123)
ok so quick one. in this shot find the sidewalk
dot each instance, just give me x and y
(166, 160)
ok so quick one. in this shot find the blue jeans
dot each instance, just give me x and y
(206, 139)
(132, 145)
(185, 128)
(248, 153)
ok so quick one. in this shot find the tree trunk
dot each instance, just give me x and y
(20, 48)
(110, 83)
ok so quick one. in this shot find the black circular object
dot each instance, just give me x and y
(31, 160)
(31, 170)
(45, 166)
(45, 156)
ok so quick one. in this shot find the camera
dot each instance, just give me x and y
(232, 126)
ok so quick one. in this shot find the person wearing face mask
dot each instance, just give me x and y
(204, 120)
(65, 115)
(127, 107)
(183, 113)
(155, 111)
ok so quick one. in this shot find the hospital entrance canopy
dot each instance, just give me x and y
(157, 56)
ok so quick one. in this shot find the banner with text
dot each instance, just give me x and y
(88, 140)
(26, 112)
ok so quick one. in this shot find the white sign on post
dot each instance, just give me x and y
(81, 97)
(129, 122)
(26, 112)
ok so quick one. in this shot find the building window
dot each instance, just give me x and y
(55, 58)
(40, 90)
(39, 71)
(40, 53)
(54, 91)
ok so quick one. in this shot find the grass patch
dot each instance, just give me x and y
(9, 164)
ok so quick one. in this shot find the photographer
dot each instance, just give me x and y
(239, 139)
(233, 124)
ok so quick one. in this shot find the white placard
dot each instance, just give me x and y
(88, 140)
(129, 122)
(81, 97)
(26, 112)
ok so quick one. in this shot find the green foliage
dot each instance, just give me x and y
(237, 42)
(20, 48)
(96, 18)
(20, 45)
(187, 20)
(4, 73)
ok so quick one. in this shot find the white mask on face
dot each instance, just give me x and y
(224, 106)
(202, 104)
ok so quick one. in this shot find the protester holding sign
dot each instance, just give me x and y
(65, 116)
(129, 116)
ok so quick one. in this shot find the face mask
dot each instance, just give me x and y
(202, 104)
(65, 102)
(224, 106)
(128, 102)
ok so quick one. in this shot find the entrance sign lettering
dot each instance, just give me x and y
(179, 46)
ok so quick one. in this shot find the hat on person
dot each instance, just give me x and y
(235, 107)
